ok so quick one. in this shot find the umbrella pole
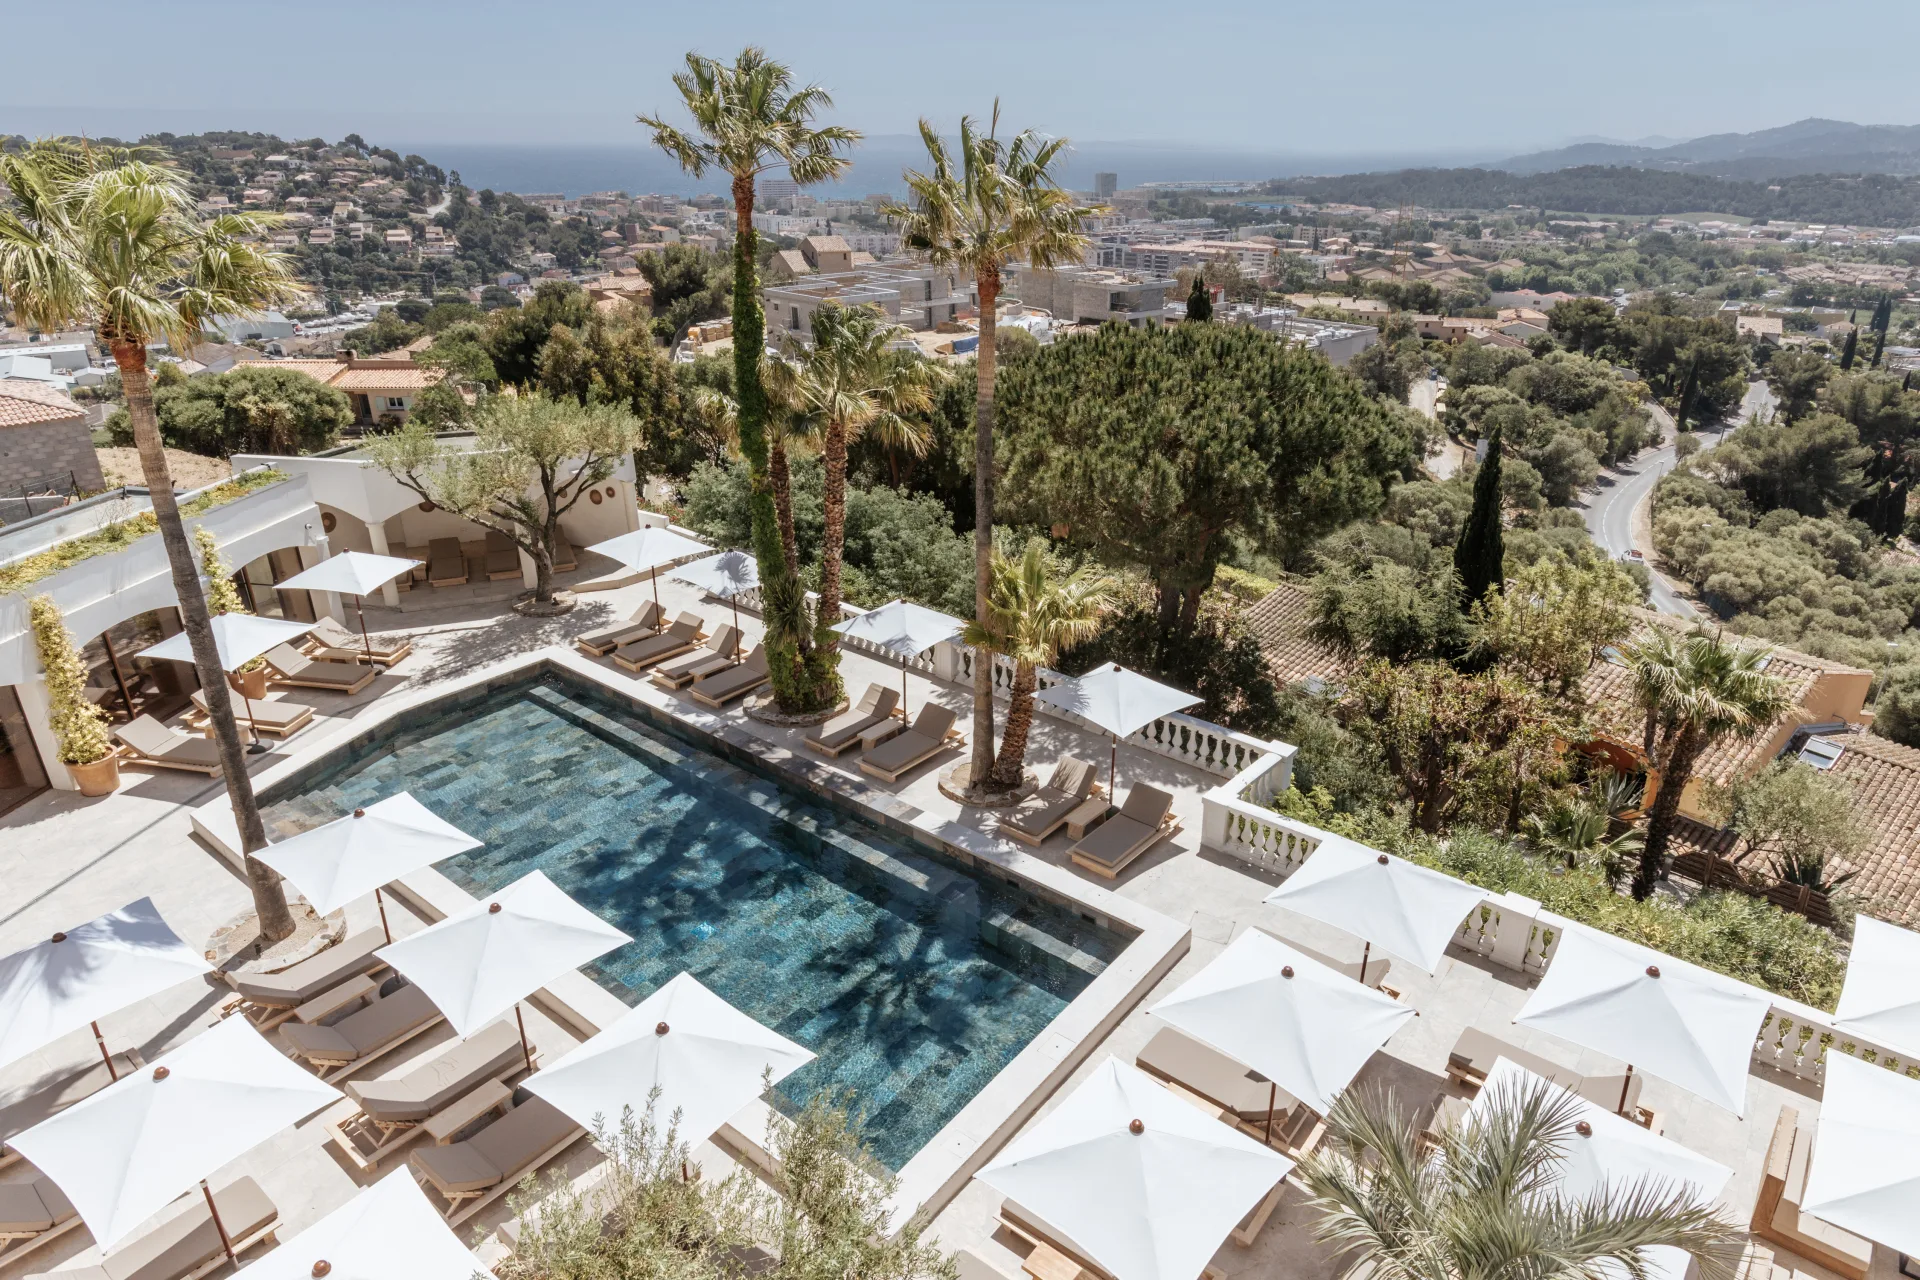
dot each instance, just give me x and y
(361, 614)
(258, 748)
(1625, 1084)
(524, 1051)
(1113, 772)
(102, 1042)
(1273, 1096)
(656, 588)
(735, 602)
(381, 902)
(225, 1242)
(903, 690)
(1366, 951)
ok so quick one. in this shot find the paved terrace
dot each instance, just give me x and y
(64, 859)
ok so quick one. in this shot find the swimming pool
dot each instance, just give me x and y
(913, 980)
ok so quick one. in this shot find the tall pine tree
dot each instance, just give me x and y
(1480, 557)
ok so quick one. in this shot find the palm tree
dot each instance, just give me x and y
(111, 237)
(1488, 1203)
(747, 119)
(848, 382)
(1694, 691)
(784, 434)
(1578, 833)
(1032, 615)
(1001, 204)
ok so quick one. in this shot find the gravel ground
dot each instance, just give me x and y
(190, 470)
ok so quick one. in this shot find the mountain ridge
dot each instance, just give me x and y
(1812, 145)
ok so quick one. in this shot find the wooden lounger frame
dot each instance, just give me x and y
(1168, 828)
(464, 1204)
(387, 1137)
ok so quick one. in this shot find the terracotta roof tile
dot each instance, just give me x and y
(1279, 620)
(26, 403)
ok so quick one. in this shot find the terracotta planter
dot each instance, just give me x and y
(100, 778)
(249, 684)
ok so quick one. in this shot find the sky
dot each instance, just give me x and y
(1386, 80)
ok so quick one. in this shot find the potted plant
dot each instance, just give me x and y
(249, 679)
(80, 727)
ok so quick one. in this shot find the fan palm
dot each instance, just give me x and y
(1487, 1204)
(848, 382)
(1032, 614)
(1001, 202)
(1577, 833)
(112, 237)
(748, 118)
(1693, 691)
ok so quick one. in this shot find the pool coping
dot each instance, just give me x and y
(938, 1171)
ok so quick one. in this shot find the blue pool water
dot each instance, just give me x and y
(914, 982)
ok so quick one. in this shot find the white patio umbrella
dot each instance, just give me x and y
(1687, 1025)
(1307, 1028)
(1865, 1175)
(352, 573)
(353, 856)
(1607, 1149)
(645, 550)
(706, 1057)
(1410, 910)
(1120, 701)
(1879, 999)
(727, 575)
(81, 975)
(239, 638)
(1140, 1182)
(480, 962)
(125, 1153)
(390, 1231)
(905, 630)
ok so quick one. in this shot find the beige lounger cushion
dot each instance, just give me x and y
(501, 1152)
(297, 668)
(35, 1205)
(446, 562)
(1047, 808)
(1127, 833)
(503, 558)
(903, 751)
(717, 654)
(1174, 1055)
(187, 1241)
(487, 1054)
(875, 706)
(641, 622)
(366, 1033)
(681, 636)
(261, 713)
(564, 560)
(723, 687)
(154, 743)
(296, 985)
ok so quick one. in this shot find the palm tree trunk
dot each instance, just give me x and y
(269, 899)
(833, 535)
(1666, 809)
(987, 281)
(1011, 763)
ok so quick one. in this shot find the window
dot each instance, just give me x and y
(1822, 753)
(396, 402)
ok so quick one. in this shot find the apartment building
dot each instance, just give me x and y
(916, 295)
(1091, 295)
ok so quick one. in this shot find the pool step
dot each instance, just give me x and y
(1009, 933)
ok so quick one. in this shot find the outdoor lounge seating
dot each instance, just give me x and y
(736, 681)
(842, 733)
(1474, 1053)
(151, 743)
(1776, 1213)
(446, 563)
(331, 642)
(187, 1245)
(32, 1213)
(718, 654)
(394, 1109)
(1046, 810)
(1175, 1057)
(297, 669)
(260, 715)
(503, 558)
(905, 752)
(269, 999)
(638, 655)
(642, 623)
(385, 1023)
(1143, 821)
(564, 560)
(1052, 1255)
(474, 1173)
(1377, 965)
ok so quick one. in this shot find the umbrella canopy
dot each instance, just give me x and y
(1120, 701)
(390, 1231)
(123, 1154)
(723, 575)
(902, 628)
(1689, 1026)
(240, 638)
(1145, 1203)
(1404, 908)
(352, 573)
(1616, 1151)
(478, 963)
(706, 1057)
(1879, 1000)
(1300, 1024)
(647, 549)
(353, 856)
(1865, 1175)
(79, 976)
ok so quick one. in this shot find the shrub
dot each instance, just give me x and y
(78, 725)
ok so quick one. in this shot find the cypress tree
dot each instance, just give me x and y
(1685, 406)
(1879, 345)
(1846, 352)
(1199, 301)
(1479, 558)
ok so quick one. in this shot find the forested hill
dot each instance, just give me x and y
(1874, 200)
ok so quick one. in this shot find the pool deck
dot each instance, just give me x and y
(65, 859)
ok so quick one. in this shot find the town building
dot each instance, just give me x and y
(916, 295)
(1091, 295)
(44, 436)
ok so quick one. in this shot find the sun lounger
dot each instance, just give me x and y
(736, 681)
(1144, 821)
(152, 743)
(268, 999)
(503, 558)
(187, 1245)
(719, 652)
(1378, 966)
(343, 1047)
(564, 560)
(1777, 1216)
(842, 733)
(1474, 1053)
(32, 1213)
(902, 753)
(638, 655)
(392, 1110)
(1045, 811)
(331, 642)
(297, 669)
(1177, 1058)
(446, 563)
(644, 622)
(262, 716)
(474, 1173)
